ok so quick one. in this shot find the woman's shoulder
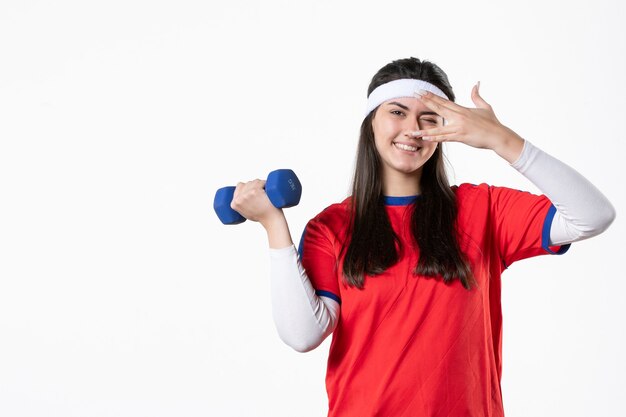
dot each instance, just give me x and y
(334, 213)
(483, 188)
(470, 188)
(469, 195)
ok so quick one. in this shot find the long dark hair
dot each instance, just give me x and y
(372, 248)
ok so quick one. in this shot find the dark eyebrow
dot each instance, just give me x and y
(402, 106)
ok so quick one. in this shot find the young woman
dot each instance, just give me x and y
(406, 271)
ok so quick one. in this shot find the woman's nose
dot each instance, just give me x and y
(411, 125)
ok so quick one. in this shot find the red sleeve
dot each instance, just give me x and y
(521, 224)
(317, 255)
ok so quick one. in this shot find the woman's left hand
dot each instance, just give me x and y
(479, 127)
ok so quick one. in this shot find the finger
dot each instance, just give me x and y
(436, 107)
(440, 101)
(258, 183)
(477, 99)
(432, 132)
(238, 188)
(441, 138)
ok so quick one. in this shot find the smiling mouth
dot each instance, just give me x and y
(406, 147)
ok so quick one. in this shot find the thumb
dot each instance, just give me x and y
(477, 99)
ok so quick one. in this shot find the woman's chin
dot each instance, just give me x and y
(408, 169)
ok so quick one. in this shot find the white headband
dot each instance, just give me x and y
(404, 87)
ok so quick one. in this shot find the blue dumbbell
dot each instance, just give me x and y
(282, 187)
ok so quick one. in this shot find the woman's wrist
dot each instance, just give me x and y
(277, 230)
(510, 146)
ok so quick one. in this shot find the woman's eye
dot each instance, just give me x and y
(430, 121)
(398, 112)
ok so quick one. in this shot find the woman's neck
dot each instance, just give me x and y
(396, 184)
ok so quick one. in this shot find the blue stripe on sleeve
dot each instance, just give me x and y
(301, 245)
(328, 294)
(545, 235)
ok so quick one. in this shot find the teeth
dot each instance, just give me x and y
(406, 147)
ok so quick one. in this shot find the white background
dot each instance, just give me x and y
(121, 294)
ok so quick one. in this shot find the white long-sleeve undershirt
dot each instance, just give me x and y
(582, 210)
(304, 320)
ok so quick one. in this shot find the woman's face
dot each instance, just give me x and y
(393, 121)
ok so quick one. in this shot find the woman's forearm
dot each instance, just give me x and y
(303, 319)
(510, 148)
(278, 234)
(582, 210)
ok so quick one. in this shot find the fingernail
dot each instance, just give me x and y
(416, 133)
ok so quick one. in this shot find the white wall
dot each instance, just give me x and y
(121, 294)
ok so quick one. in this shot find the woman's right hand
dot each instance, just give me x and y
(251, 201)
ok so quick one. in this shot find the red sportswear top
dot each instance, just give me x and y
(406, 345)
